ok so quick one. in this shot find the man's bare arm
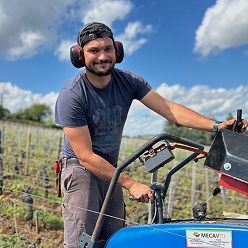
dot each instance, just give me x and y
(182, 115)
(80, 141)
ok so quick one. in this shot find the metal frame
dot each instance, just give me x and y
(85, 240)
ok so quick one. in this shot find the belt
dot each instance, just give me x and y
(69, 162)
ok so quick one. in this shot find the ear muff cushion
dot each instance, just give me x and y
(76, 56)
(119, 51)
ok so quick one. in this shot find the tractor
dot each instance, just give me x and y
(228, 156)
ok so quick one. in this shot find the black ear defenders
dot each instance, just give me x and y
(77, 57)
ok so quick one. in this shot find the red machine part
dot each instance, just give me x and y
(234, 184)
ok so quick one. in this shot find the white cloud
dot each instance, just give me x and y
(29, 42)
(109, 12)
(212, 102)
(15, 98)
(106, 11)
(28, 26)
(131, 37)
(63, 50)
(142, 121)
(224, 25)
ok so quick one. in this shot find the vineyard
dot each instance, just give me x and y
(30, 211)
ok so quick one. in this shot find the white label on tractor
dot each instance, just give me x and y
(209, 238)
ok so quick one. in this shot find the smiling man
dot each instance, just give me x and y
(92, 109)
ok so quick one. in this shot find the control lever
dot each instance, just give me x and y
(200, 209)
(238, 123)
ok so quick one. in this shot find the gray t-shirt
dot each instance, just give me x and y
(79, 103)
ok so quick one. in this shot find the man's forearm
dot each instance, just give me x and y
(103, 169)
(184, 116)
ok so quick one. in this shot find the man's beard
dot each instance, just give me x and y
(100, 73)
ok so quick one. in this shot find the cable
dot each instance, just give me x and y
(114, 217)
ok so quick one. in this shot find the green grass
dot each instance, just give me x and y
(11, 241)
(54, 221)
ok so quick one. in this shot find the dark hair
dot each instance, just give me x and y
(92, 31)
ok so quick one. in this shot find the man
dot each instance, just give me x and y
(92, 110)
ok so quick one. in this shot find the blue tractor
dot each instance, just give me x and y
(228, 155)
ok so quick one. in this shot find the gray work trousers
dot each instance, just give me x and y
(84, 191)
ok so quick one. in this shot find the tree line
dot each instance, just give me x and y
(205, 138)
(42, 114)
(36, 113)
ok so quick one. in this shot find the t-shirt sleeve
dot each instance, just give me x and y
(70, 110)
(139, 85)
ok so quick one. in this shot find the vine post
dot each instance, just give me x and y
(1, 162)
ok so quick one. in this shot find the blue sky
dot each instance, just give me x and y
(174, 44)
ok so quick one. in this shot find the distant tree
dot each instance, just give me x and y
(189, 133)
(229, 117)
(193, 134)
(37, 112)
(4, 113)
(2, 93)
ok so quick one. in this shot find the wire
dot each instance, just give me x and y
(114, 217)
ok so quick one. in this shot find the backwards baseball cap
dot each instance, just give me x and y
(92, 31)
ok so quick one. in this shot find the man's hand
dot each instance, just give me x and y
(141, 192)
(229, 124)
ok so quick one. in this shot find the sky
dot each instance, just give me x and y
(194, 52)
